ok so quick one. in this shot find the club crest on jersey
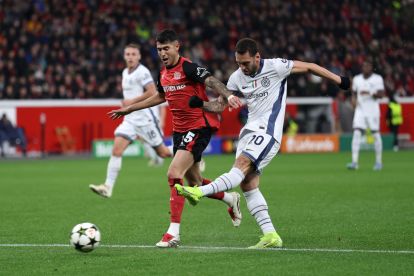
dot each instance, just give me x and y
(265, 82)
(177, 75)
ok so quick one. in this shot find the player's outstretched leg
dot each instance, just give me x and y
(192, 194)
(172, 237)
(114, 166)
(356, 141)
(258, 208)
(378, 151)
(234, 210)
(154, 159)
(233, 202)
(224, 182)
(101, 190)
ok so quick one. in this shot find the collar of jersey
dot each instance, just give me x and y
(178, 62)
(136, 67)
(260, 69)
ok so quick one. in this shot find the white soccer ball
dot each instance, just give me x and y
(85, 237)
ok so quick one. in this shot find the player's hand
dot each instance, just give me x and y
(195, 102)
(345, 83)
(234, 102)
(118, 113)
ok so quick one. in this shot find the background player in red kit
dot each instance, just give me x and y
(179, 80)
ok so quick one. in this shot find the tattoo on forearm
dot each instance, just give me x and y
(218, 86)
(214, 106)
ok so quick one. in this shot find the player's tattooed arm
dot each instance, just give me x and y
(220, 88)
(216, 106)
(217, 86)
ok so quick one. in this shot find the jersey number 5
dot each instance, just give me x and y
(189, 137)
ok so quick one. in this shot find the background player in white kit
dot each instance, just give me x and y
(137, 85)
(262, 82)
(367, 88)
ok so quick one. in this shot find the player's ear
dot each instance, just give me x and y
(257, 57)
(177, 45)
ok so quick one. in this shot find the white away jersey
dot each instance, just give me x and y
(367, 104)
(133, 85)
(265, 94)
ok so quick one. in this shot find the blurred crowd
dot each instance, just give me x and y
(73, 49)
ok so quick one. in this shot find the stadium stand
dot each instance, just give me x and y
(50, 50)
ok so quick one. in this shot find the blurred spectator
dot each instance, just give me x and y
(50, 50)
(11, 136)
(290, 127)
(394, 118)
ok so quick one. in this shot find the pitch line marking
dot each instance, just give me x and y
(223, 248)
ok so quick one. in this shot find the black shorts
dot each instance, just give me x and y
(194, 141)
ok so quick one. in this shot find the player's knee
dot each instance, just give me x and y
(173, 174)
(244, 164)
(358, 132)
(173, 181)
(117, 152)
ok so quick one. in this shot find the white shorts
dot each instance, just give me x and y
(259, 147)
(364, 121)
(151, 133)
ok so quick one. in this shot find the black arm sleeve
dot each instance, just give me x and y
(195, 72)
(159, 86)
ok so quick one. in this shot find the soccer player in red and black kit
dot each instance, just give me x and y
(178, 82)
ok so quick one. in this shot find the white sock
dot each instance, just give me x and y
(171, 148)
(356, 143)
(228, 199)
(150, 151)
(174, 229)
(224, 182)
(258, 209)
(378, 147)
(114, 166)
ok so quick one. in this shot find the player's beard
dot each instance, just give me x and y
(251, 71)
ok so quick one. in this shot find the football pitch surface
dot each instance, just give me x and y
(332, 221)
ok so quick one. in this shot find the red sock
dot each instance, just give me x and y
(218, 195)
(176, 201)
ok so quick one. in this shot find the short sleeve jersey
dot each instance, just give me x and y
(265, 94)
(179, 83)
(367, 104)
(133, 85)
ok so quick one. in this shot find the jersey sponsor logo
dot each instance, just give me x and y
(265, 82)
(177, 75)
(258, 95)
(172, 88)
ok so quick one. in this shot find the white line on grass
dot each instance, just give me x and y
(223, 248)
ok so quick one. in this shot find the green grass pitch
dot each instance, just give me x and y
(332, 221)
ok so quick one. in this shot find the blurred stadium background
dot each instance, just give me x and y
(61, 62)
(60, 73)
